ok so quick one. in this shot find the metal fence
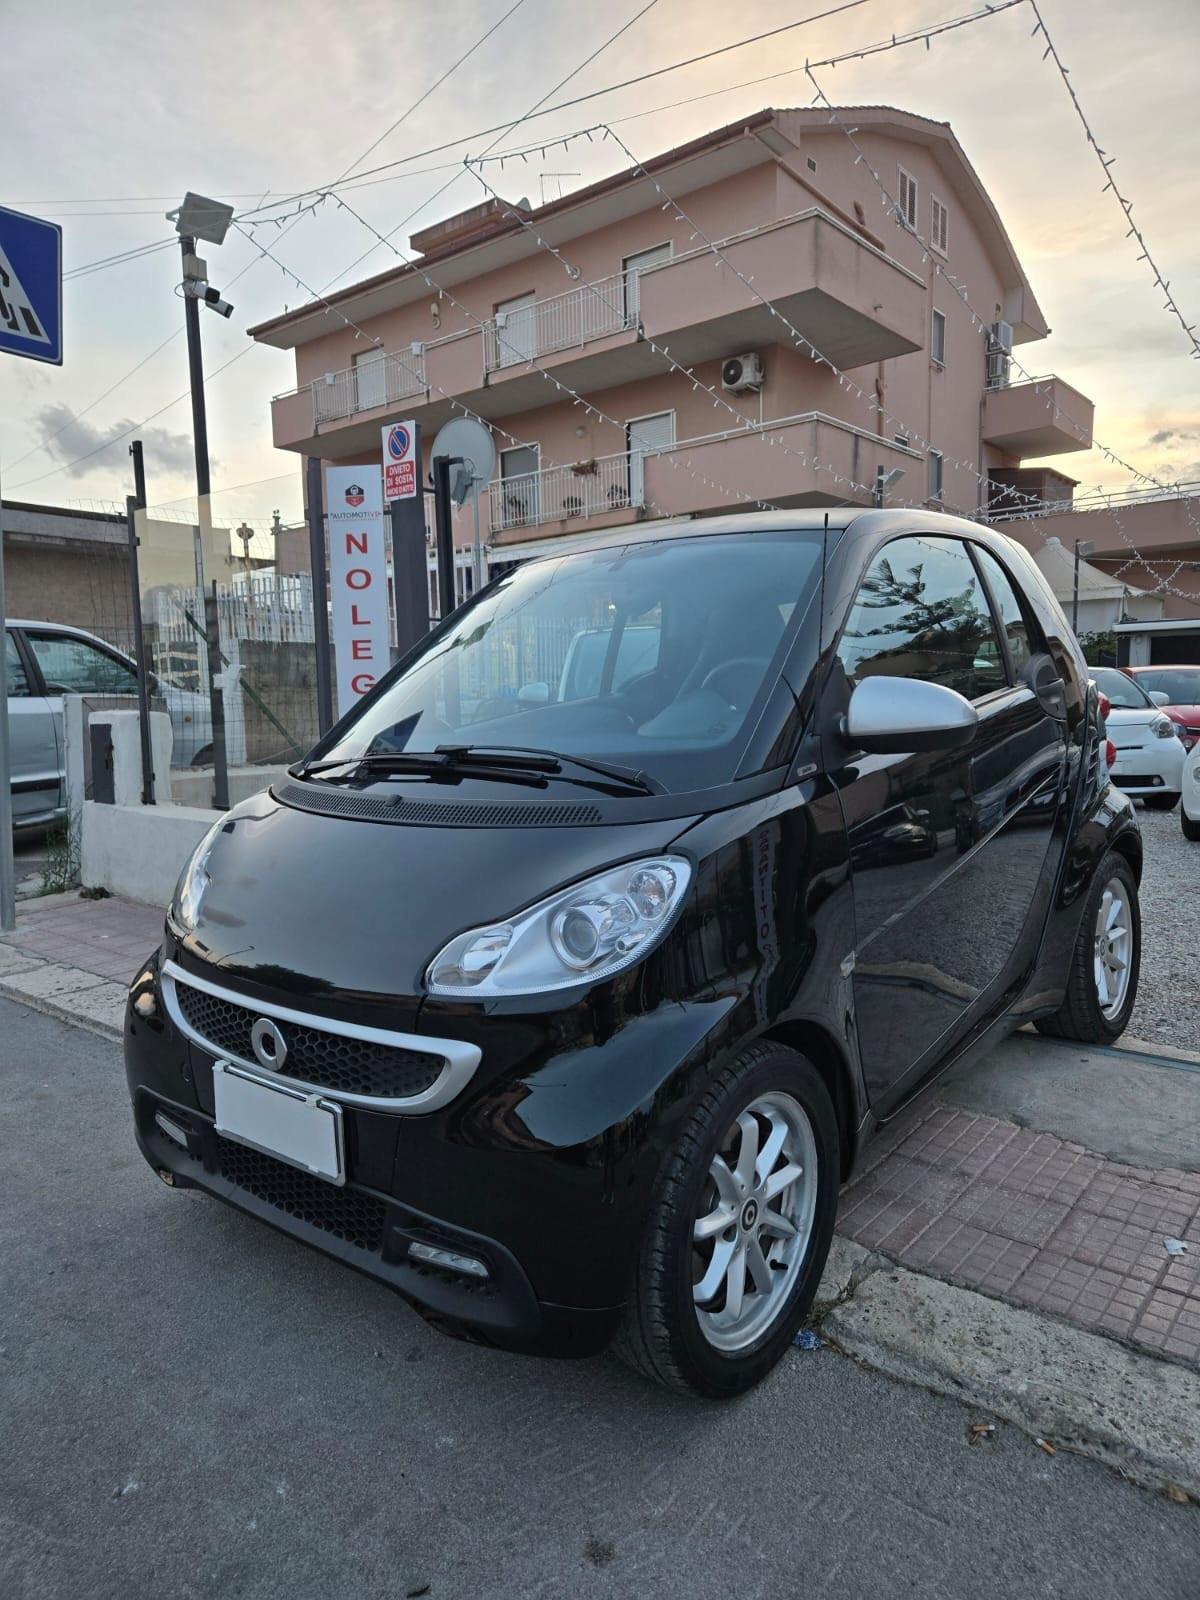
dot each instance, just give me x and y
(586, 489)
(370, 383)
(562, 322)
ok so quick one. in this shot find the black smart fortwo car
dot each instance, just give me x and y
(560, 987)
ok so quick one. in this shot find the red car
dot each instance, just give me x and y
(1181, 686)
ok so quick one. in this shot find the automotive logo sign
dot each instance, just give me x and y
(400, 461)
(354, 495)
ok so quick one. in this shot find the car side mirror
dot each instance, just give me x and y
(1160, 697)
(889, 716)
(533, 694)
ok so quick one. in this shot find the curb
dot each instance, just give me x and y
(1062, 1385)
(61, 1012)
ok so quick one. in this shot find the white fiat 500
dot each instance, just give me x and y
(1149, 761)
(1189, 810)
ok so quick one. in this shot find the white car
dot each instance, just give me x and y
(1189, 809)
(1150, 756)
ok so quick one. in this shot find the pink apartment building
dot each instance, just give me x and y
(672, 347)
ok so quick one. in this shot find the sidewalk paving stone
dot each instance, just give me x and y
(1038, 1220)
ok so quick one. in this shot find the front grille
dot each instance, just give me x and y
(330, 1061)
(346, 1213)
(441, 813)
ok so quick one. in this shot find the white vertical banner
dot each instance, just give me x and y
(357, 580)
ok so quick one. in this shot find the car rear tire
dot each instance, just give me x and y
(1191, 830)
(1103, 978)
(1160, 802)
(743, 1211)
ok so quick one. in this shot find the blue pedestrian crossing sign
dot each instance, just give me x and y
(30, 287)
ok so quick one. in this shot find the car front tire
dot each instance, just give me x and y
(1160, 802)
(1102, 980)
(739, 1229)
(1191, 830)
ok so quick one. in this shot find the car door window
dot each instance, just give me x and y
(76, 666)
(18, 683)
(1012, 617)
(921, 612)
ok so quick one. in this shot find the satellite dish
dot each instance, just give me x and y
(473, 443)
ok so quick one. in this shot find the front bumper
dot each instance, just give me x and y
(1155, 767)
(540, 1167)
(372, 1232)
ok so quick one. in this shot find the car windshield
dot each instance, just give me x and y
(1123, 694)
(1181, 686)
(657, 656)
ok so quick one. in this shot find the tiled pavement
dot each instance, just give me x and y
(1018, 1214)
(1035, 1220)
(108, 938)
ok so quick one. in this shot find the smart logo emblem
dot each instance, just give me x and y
(399, 461)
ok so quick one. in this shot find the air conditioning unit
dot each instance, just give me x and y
(999, 354)
(740, 374)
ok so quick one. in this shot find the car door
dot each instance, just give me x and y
(949, 850)
(36, 749)
(73, 663)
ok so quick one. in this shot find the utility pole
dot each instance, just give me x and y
(8, 876)
(134, 504)
(1083, 548)
(198, 218)
(37, 335)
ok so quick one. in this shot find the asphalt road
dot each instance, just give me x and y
(1165, 1011)
(194, 1405)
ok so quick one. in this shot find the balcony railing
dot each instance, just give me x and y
(591, 489)
(565, 322)
(365, 386)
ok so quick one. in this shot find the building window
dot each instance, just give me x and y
(516, 330)
(633, 267)
(902, 440)
(812, 165)
(907, 206)
(935, 475)
(939, 225)
(937, 339)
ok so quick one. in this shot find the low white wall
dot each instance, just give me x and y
(194, 787)
(139, 851)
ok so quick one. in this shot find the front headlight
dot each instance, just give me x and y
(194, 881)
(579, 935)
(1163, 728)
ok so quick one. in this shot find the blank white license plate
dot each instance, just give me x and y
(302, 1129)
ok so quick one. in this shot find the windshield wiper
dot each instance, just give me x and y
(529, 758)
(510, 763)
(427, 763)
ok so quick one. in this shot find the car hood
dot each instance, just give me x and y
(352, 909)
(1187, 713)
(1131, 720)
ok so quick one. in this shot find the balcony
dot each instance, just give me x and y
(1042, 417)
(749, 468)
(564, 322)
(718, 472)
(854, 302)
(603, 487)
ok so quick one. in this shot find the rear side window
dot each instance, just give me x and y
(1012, 618)
(18, 683)
(921, 613)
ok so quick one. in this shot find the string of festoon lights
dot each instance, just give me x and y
(979, 322)
(424, 380)
(1107, 163)
(745, 424)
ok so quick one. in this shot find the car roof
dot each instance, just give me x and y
(806, 519)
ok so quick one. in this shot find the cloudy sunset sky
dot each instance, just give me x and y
(110, 114)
